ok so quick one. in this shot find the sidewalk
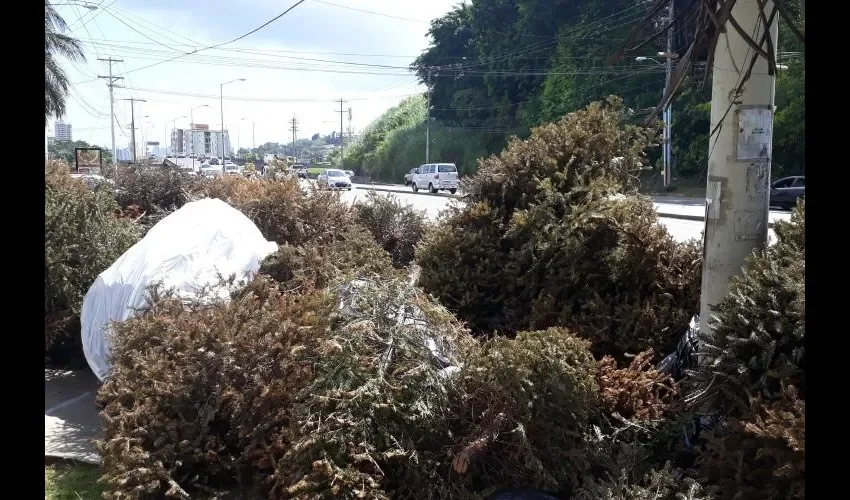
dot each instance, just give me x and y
(71, 422)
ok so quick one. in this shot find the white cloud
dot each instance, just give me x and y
(267, 60)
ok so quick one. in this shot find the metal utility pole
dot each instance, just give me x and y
(111, 84)
(428, 121)
(668, 110)
(294, 129)
(738, 194)
(133, 102)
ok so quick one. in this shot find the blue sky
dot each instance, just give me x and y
(282, 76)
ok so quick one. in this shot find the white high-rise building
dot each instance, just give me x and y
(200, 140)
(62, 131)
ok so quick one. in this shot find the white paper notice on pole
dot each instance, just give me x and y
(755, 133)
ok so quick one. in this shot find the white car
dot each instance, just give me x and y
(435, 177)
(231, 168)
(210, 171)
(334, 179)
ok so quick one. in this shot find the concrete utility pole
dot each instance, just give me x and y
(111, 84)
(341, 136)
(668, 111)
(428, 121)
(738, 194)
(133, 102)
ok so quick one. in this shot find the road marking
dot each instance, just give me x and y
(67, 402)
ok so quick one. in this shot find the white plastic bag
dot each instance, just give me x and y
(187, 250)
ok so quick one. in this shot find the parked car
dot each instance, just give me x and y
(349, 173)
(408, 177)
(785, 192)
(334, 179)
(436, 177)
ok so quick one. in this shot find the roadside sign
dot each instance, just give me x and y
(87, 158)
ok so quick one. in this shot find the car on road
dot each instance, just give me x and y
(349, 173)
(334, 179)
(408, 177)
(435, 177)
(785, 192)
(210, 171)
(231, 168)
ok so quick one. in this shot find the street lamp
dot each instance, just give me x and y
(667, 114)
(221, 103)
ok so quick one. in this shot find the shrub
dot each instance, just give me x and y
(397, 228)
(525, 405)
(762, 455)
(637, 391)
(601, 265)
(199, 397)
(154, 189)
(757, 337)
(281, 395)
(547, 238)
(752, 369)
(82, 238)
(280, 209)
(340, 256)
(374, 421)
(663, 484)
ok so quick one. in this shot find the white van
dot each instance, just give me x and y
(435, 177)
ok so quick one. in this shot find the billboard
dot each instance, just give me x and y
(200, 126)
(153, 143)
(87, 159)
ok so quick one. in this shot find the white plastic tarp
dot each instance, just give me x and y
(187, 250)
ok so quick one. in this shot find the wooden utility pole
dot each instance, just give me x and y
(738, 193)
(111, 84)
(133, 102)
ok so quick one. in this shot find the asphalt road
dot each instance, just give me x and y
(676, 207)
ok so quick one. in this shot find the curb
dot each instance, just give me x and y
(421, 193)
(661, 215)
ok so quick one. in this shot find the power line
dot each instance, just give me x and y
(373, 12)
(221, 44)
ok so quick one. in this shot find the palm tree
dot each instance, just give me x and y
(56, 43)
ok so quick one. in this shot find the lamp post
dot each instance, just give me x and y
(667, 114)
(221, 104)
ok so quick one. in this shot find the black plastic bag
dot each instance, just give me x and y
(685, 356)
